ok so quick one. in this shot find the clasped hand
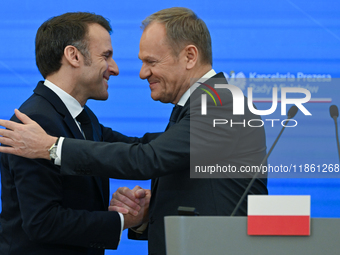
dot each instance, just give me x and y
(133, 204)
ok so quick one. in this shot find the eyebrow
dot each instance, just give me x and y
(147, 58)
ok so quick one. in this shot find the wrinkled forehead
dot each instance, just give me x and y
(154, 38)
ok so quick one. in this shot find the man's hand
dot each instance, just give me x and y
(28, 140)
(134, 204)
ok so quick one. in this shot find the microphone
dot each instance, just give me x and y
(291, 113)
(334, 112)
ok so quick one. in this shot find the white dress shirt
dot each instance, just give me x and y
(187, 94)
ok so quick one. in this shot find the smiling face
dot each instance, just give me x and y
(97, 70)
(167, 74)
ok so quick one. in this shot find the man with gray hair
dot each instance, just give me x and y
(175, 49)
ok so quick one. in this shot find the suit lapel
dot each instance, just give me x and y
(60, 107)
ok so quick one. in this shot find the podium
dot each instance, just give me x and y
(222, 235)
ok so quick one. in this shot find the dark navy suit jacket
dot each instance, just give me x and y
(44, 212)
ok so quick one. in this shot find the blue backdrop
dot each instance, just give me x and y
(289, 37)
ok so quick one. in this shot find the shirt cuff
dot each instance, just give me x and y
(121, 225)
(140, 229)
(57, 161)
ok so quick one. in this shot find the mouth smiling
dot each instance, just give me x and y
(106, 78)
(152, 84)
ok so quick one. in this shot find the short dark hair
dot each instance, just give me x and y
(183, 27)
(58, 32)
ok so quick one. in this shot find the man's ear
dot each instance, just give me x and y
(72, 55)
(191, 54)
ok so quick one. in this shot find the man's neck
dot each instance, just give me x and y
(199, 74)
(65, 82)
(184, 98)
(72, 105)
(193, 76)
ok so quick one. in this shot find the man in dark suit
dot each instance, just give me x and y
(175, 49)
(44, 212)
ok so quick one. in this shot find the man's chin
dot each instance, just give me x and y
(159, 99)
(155, 97)
(100, 98)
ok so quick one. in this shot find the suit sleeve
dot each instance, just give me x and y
(40, 194)
(170, 152)
(111, 136)
(137, 236)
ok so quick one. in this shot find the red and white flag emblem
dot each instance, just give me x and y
(278, 215)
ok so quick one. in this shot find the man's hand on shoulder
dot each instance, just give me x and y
(27, 140)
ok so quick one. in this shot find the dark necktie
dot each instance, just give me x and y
(86, 126)
(85, 123)
(174, 114)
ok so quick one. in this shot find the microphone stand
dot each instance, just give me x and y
(291, 113)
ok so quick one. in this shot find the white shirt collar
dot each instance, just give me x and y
(72, 105)
(187, 94)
